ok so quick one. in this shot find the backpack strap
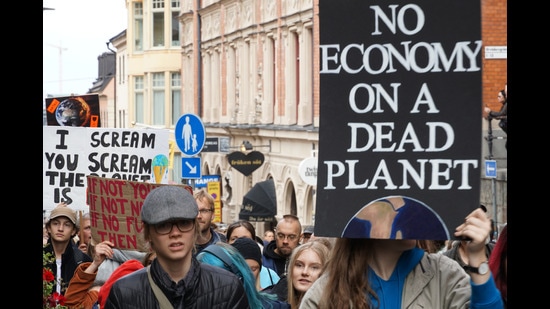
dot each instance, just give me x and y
(161, 298)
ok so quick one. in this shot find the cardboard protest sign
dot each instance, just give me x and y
(400, 118)
(72, 153)
(115, 208)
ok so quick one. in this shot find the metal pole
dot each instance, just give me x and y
(493, 180)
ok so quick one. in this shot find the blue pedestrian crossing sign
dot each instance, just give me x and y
(190, 134)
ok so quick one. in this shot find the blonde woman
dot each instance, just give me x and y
(306, 265)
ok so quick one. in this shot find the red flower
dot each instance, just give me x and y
(47, 275)
(56, 299)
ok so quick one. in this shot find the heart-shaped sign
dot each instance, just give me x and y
(246, 163)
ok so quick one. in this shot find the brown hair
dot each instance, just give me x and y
(347, 275)
(147, 260)
(244, 223)
(202, 195)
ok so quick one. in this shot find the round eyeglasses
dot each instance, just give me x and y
(282, 236)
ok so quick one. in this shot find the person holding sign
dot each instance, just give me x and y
(389, 273)
(175, 279)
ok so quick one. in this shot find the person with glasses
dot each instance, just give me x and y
(278, 251)
(208, 234)
(175, 278)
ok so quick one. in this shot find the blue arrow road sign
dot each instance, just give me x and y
(190, 134)
(191, 168)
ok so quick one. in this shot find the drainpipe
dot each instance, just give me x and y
(199, 58)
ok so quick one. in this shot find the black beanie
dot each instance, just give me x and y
(249, 249)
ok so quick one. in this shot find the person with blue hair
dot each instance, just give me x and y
(227, 257)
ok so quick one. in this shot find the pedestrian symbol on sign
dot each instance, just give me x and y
(190, 134)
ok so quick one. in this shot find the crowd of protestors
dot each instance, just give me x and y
(191, 265)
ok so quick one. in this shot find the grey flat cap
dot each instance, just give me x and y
(308, 229)
(168, 203)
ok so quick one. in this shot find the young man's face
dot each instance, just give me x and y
(61, 229)
(173, 240)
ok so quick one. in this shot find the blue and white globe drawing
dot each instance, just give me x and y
(73, 112)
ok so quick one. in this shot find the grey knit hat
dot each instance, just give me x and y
(168, 203)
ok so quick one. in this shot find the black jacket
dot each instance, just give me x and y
(280, 289)
(205, 286)
(274, 261)
(70, 259)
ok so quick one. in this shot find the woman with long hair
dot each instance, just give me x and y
(305, 266)
(390, 273)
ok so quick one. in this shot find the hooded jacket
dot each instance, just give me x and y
(274, 261)
(205, 286)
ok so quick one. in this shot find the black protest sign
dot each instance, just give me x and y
(400, 118)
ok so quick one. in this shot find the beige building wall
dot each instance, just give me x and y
(255, 80)
(121, 78)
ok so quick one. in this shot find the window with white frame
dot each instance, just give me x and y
(139, 99)
(138, 26)
(176, 96)
(158, 98)
(175, 10)
(158, 23)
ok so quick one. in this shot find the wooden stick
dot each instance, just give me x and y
(81, 227)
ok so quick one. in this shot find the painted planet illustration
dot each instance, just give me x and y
(396, 217)
(73, 112)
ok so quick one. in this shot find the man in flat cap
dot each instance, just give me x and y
(66, 256)
(175, 278)
(308, 232)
